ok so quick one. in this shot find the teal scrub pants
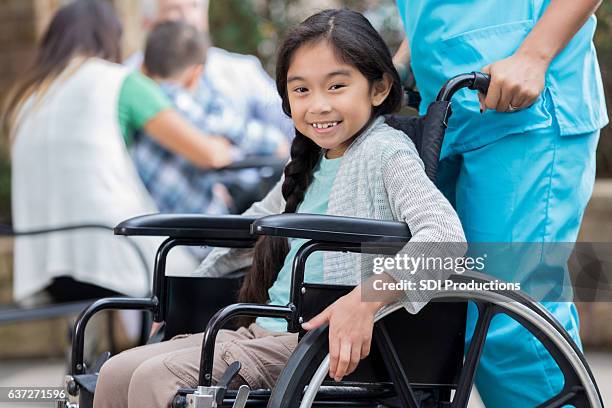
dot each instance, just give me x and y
(527, 187)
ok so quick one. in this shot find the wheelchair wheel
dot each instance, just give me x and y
(302, 367)
(309, 365)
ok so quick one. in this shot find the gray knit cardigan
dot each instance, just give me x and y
(381, 177)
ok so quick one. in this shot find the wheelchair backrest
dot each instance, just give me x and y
(191, 302)
(426, 132)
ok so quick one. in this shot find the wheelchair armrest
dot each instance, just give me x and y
(194, 226)
(331, 228)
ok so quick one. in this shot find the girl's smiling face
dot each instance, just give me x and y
(330, 100)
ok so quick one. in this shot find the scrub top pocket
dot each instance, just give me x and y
(488, 44)
(472, 50)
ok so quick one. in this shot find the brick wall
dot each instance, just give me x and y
(19, 23)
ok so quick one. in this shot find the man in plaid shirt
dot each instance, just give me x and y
(173, 60)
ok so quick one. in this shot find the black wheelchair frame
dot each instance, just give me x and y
(428, 369)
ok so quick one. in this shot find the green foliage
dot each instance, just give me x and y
(235, 25)
(251, 27)
(256, 26)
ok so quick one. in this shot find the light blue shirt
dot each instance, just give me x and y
(452, 37)
(315, 202)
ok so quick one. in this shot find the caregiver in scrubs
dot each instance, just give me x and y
(518, 164)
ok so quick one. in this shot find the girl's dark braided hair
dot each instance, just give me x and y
(355, 42)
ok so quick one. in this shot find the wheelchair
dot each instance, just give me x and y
(426, 369)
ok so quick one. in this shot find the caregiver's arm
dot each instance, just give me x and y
(519, 79)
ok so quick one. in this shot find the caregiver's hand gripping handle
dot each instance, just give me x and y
(517, 82)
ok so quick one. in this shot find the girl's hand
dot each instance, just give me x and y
(516, 82)
(350, 331)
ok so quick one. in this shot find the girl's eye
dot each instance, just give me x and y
(300, 89)
(336, 87)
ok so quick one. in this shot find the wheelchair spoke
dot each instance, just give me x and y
(391, 359)
(486, 311)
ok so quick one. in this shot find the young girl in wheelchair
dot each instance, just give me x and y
(336, 79)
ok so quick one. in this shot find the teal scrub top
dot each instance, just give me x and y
(449, 37)
(315, 201)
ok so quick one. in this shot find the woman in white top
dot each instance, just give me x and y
(68, 120)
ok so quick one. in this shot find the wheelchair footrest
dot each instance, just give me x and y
(87, 381)
(262, 395)
(213, 397)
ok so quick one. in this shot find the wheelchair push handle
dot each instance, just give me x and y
(474, 80)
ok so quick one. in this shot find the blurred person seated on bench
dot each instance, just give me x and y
(174, 58)
(69, 120)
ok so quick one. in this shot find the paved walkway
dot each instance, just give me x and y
(50, 373)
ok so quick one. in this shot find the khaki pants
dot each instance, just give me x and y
(149, 376)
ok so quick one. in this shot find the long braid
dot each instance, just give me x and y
(270, 252)
(298, 173)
